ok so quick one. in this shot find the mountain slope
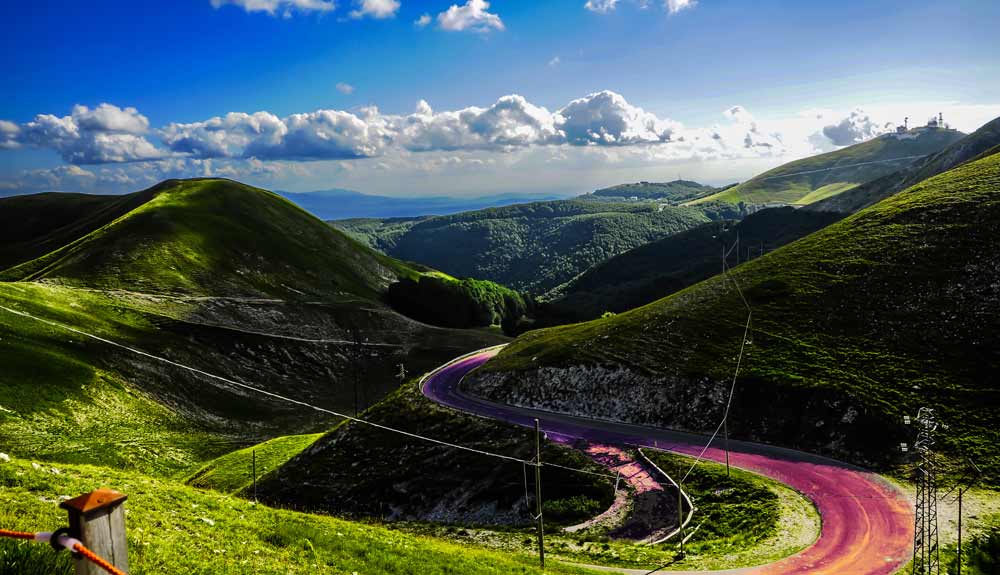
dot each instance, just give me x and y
(971, 147)
(530, 247)
(219, 237)
(893, 308)
(657, 269)
(812, 179)
(32, 226)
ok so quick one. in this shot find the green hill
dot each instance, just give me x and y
(675, 191)
(530, 247)
(210, 274)
(816, 178)
(654, 270)
(214, 237)
(975, 145)
(891, 309)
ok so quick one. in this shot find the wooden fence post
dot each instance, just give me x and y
(97, 519)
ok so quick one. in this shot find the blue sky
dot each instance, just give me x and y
(714, 90)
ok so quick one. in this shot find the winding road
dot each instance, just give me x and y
(867, 524)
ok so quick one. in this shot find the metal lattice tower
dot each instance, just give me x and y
(926, 559)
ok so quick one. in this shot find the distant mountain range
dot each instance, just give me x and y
(340, 204)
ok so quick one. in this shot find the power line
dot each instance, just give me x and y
(736, 372)
(294, 401)
(262, 391)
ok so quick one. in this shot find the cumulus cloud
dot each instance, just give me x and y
(345, 88)
(855, 128)
(606, 118)
(423, 20)
(375, 8)
(555, 61)
(283, 7)
(472, 16)
(100, 135)
(223, 136)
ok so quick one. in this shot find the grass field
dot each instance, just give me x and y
(233, 472)
(175, 529)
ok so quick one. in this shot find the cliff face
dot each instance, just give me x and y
(820, 421)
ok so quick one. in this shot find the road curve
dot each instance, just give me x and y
(867, 524)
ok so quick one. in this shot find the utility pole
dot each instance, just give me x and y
(538, 494)
(725, 431)
(926, 556)
(255, 476)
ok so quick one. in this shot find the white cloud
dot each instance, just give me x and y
(607, 6)
(223, 136)
(345, 88)
(423, 21)
(284, 7)
(104, 134)
(375, 8)
(600, 6)
(855, 128)
(555, 61)
(472, 16)
(606, 118)
(510, 122)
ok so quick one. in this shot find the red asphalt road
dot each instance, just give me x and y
(867, 523)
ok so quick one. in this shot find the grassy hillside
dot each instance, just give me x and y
(407, 479)
(816, 178)
(211, 274)
(175, 529)
(530, 247)
(233, 472)
(69, 399)
(675, 191)
(980, 143)
(853, 326)
(32, 226)
(216, 237)
(657, 269)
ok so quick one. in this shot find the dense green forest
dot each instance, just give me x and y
(530, 247)
(657, 269)
(675, 191)
(449, 302)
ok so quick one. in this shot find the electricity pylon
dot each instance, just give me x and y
(926, 556)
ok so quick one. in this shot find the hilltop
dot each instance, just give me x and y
(818, 177)
(853, 326)
(530, 247)
(675, 191)
(207, 236)
(977, 144)
(657, 269)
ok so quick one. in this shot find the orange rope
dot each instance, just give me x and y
(97, 559)
(77, 547)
